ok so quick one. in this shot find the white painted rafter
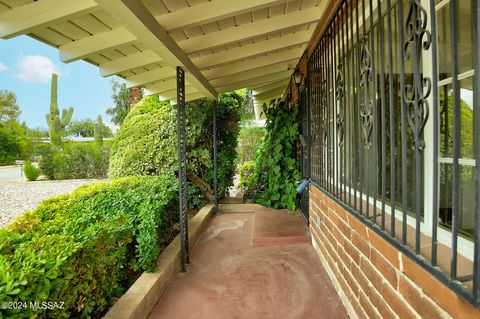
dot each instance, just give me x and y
(246, 51)
(253, 29)
(264, 60)
(270, 86)
(282, 75)
(210, 11)
(140, 21)
(129, 62)
(94, 44)
(25, 18)
(255, 73)
(144, 78)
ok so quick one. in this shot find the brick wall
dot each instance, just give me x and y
(374, 279)
(135, 94)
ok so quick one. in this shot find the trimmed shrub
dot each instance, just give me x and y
(85, 248)
(30, 171)
(146, 144)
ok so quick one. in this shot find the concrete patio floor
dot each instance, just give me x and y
(230, 278)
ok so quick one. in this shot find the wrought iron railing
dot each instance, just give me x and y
(395, 127)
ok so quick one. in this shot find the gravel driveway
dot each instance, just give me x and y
(18, 197)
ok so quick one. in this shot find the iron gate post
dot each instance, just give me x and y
(215, 159)
(182, 168)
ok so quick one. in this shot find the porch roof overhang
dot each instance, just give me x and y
(222, 45)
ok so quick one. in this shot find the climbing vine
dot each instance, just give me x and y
(276, 166)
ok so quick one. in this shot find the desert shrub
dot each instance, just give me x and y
(146, 144)
(249, 141)
(276, 166)
(45, 153)
(85, 248)
(30, 171)
(74, 160)
(81, 160)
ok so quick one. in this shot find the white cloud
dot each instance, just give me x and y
(35, 68)
(3, 67)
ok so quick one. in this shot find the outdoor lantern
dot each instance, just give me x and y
(297, 77)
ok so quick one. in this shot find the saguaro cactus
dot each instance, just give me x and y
(99, 131)
(56, 125)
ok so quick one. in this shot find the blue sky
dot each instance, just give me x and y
(26, 66)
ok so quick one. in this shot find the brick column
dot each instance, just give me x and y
(135, 94)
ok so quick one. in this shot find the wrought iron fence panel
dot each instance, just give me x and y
(375, 104)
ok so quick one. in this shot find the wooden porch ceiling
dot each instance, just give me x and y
(222, 44)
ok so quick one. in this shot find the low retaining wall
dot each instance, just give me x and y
(143, 295)
(372, 277)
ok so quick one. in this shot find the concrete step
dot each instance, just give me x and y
(231, 200)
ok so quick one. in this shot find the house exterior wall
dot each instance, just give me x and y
(373, 278)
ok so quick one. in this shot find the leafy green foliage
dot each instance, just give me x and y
(9, 109)
(120, 98)
(74, 160)
(146, 144)
(12, 142)
(249, 141)
(276, 167)
(86, 128)
(85, 248)
(31, 172)
(99, 131)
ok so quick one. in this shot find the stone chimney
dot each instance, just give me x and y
(135, 94)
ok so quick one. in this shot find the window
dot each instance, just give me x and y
(382, 144)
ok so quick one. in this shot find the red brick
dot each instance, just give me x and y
(341, 212)
(396, 302)
(372, 274)
(361, 279)
(384, 267)
(422, 305)
(362, 244)
(382, 306)
(358, 309)
(347, 275)
(352, 251)
(344, 228)
(384, 248)
(368, 307)
(441, 294)
(358, 226)
(338, 236)
(345, 287)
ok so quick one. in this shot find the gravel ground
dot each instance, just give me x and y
(18, 197)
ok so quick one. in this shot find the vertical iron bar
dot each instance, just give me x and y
(182, 169)
(366, 102)
(215, 158)
(375, 125)
(456, 138)
(359, 95)
(435, 111)
(331, 112)
(403, 124)
(382, 115)
(391, 81)
(354, 48)
(476, 119)
(344, 104)
(348, 105)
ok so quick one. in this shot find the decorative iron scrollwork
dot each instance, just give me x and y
(415, 95)
(340, 118)
(366, 107)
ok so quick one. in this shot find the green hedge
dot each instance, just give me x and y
(74, 160)
(85, 248)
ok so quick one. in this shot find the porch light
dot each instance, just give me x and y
(297, 77)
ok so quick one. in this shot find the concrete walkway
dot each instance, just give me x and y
(231, 278)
